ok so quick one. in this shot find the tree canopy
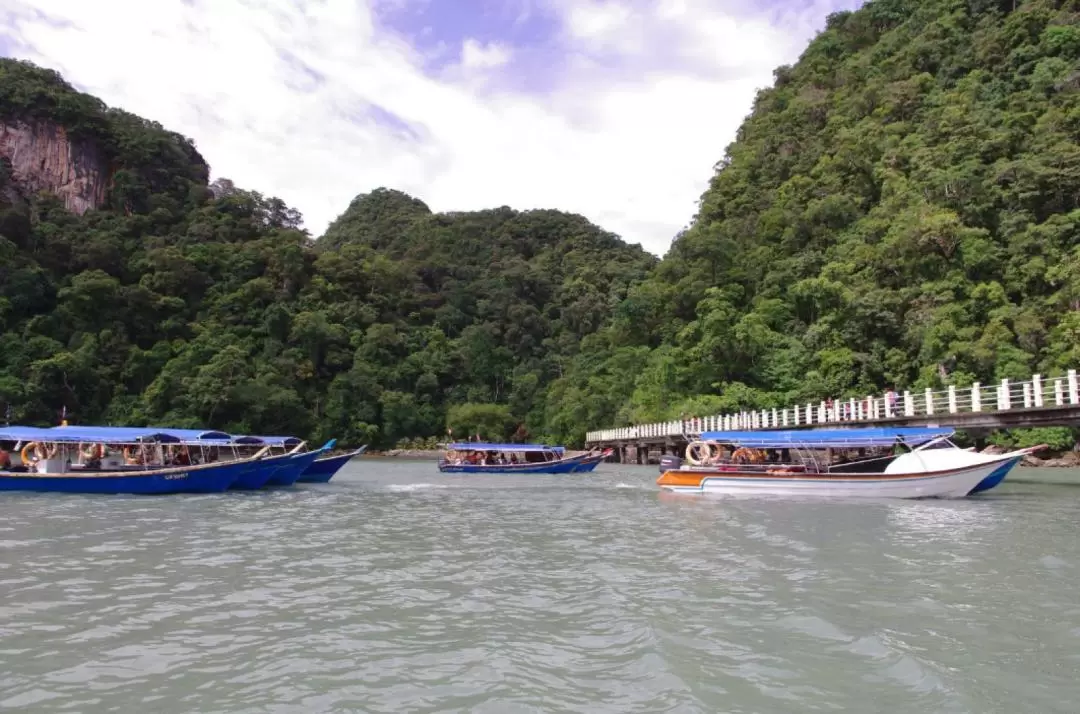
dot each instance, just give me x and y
(187, 304)
(901, 208)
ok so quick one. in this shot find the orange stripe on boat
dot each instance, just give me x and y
(695, 478)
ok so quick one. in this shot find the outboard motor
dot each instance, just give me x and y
(670, 462)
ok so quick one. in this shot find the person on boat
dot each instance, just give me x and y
(5, 458)
(513, 458)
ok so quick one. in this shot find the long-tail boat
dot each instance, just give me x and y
(108, 461)
(324, 469)
(483, 458)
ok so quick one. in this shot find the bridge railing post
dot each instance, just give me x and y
(1059, 393)
(976, 398)
(929, 398)
(952, 399)
(775, 417)
(1026, 391)
(909, 404)
(1037, 389)
(1004, 398)
(785, 416)
(1074, 393)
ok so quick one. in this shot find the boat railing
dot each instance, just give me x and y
(1034, 393)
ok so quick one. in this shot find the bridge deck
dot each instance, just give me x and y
(977, 409)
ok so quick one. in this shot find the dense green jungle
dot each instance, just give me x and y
(901, 208)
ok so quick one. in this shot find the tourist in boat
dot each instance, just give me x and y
(5, 458)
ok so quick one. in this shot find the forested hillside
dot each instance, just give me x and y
(901, 208)
(179, 303)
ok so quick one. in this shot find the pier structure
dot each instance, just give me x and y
(977, 410)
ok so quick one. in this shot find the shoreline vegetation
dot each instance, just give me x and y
(898, 210)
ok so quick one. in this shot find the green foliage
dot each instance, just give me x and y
(1055, 438)
(900, 209)
(491, 422)
(187, 304)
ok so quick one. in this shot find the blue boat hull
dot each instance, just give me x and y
(996, 477)
(573, 465)
(255, 477)
(213, 479)
(322, 470)
(292, 467)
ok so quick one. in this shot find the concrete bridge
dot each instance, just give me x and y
(977, 410)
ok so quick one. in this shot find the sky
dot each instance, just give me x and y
(614, 109)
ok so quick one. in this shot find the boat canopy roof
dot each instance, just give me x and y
(284, 441)
(830, 438)
(481, 446)
(187, 436)
(198, 434)
(86, 434)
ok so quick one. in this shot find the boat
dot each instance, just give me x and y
(897, 462)
(324, 469)
(106, 460)
(484, 458)
(206, 446)
(292, 463)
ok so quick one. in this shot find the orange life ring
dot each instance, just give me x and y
(38, 452)
(747, 455)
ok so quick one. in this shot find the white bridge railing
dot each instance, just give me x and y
(1008, 396)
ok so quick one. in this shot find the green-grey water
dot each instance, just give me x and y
(396, 589)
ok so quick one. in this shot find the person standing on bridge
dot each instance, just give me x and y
(890, 399)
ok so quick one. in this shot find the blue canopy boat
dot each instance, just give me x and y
(57, 460)
(324, 469)
(483, 458)
(289, 466)
(209, 445)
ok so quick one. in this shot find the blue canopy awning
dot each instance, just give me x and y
(830, 438)
(187, 436)
(480, 446)
(85, 434)
(197, 434)
(283, 441)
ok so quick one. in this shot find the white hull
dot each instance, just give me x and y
(948, 484)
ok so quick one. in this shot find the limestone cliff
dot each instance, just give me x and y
(42, 157)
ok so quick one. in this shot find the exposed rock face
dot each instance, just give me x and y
(44, 158)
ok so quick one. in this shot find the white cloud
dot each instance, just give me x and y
(290, 99)
(475, 55)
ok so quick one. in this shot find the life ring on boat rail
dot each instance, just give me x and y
(746, 455)
(31, 445)
(699, 453)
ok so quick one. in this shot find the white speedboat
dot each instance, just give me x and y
(898, 462)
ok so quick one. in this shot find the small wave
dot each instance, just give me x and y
(408, 487)
(636, 486)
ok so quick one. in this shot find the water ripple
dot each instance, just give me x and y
(396, 589)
